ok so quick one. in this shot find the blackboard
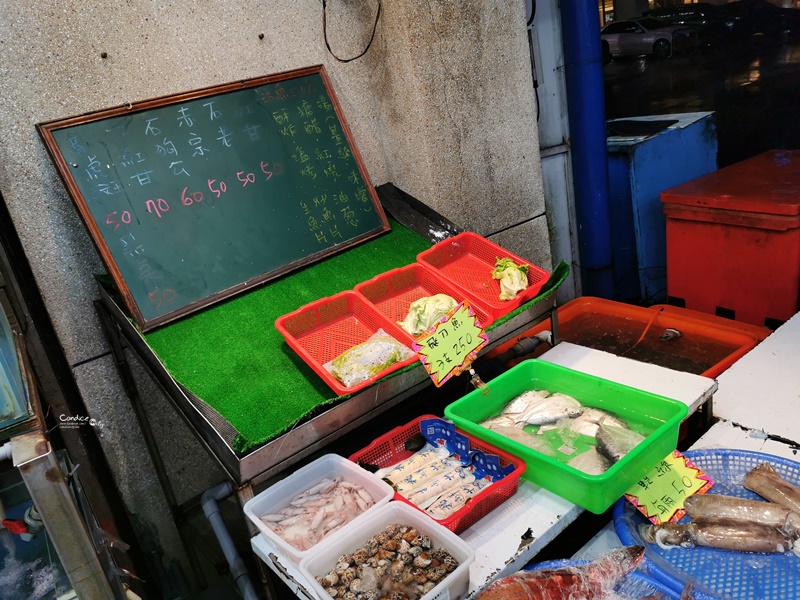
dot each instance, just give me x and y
(198, 196)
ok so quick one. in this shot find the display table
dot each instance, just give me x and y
(762, 390)
(512, 534)
(723, 434)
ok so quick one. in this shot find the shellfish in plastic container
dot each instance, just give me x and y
(453, 584)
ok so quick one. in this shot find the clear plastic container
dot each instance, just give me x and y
(656, 417)
(318, 563)
(278, 496)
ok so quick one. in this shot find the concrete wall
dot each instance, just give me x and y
(442, 105)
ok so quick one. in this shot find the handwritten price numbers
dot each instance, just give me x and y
(276, 169)
(114, 220)
(226, 162)
(245, 178)
(660, 494)
(221, 187)
(189, 199)
(159, 297)
(452, 345)
(159, 206)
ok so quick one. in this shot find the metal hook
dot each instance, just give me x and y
(476, 380)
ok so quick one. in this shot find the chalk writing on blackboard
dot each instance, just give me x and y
(195, 197)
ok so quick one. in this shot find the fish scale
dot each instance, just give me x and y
(615, 442)
(550, 409)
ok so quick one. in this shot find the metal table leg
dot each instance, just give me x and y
(56, 506)
(116, 344)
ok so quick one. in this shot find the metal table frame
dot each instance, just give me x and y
(260, 465)
(263, 463)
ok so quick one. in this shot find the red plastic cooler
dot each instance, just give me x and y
(733, 240)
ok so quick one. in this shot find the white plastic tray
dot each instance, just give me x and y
(278, 496)
(322, 559)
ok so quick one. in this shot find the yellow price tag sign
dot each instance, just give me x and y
(452, 344)
(660, 494)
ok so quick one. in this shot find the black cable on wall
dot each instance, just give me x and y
(327, 42)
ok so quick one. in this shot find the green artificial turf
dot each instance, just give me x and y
(232, 357)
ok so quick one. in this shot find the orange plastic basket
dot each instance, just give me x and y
(321, 330)
(467, 260)
(615, 327)
(393, 292)
(389, 449)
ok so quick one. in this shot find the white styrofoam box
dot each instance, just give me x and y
(323, 557)
(278, 496)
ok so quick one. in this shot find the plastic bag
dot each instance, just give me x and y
(361, 362)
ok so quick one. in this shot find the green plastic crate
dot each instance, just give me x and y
(655, 416)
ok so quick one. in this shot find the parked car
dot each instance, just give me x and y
(645, 36)
(759, 17)
(712, 24)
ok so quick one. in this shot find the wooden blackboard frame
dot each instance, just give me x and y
(47, 129)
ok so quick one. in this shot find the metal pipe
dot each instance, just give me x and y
(580, 27)
(5, 451)
(209, 501)
(59, 512)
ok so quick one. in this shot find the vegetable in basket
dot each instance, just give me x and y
(361, 362)
(513, 278)
(425, 312)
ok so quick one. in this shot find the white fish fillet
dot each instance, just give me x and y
(412, 481)
(440, 485)
(412, 463)
(448, 504)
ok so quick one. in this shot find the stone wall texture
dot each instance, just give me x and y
(442, 105)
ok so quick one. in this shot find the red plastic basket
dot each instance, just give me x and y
(467, 260)
(394, 291)
(389, 449)
(321, 330)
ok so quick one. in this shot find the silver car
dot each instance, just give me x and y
(647, 35)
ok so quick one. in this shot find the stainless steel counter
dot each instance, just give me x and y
(259, 465)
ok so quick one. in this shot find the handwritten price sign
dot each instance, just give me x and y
(452, 345)
(660, 494)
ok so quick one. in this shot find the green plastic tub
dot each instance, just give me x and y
(656, 417)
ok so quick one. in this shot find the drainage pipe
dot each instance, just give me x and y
(209, 501)
(5, 454)
(580, 31)
(5, 451)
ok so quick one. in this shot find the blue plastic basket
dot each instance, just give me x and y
(719, 574)
(634, 585)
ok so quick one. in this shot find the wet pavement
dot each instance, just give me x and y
(753, 85)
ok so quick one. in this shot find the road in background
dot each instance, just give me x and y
(753, 86)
